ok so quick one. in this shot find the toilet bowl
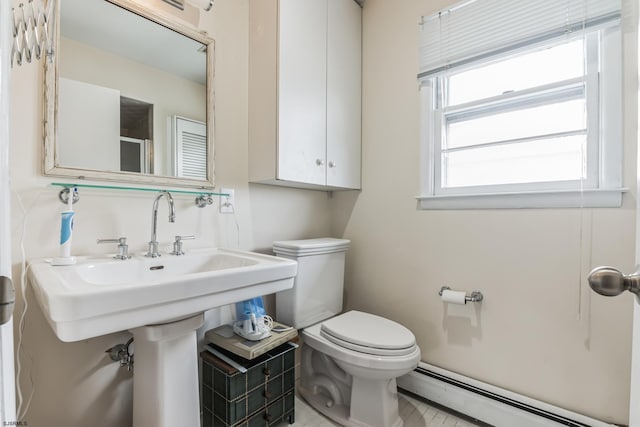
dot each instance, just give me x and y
(352, 379)
(350, 361)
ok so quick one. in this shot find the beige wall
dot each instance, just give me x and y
(74, 384)
(540, 331)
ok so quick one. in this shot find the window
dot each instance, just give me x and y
(135, 155)
(525, 116)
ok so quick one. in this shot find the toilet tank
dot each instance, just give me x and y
(317, 289)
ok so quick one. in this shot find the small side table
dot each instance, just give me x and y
(263, 395)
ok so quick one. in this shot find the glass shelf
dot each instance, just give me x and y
(194, 192)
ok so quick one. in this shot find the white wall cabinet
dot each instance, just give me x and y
(89, 126)
(305, 93)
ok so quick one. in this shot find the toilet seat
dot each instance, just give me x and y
(372, 363)
(369, 334)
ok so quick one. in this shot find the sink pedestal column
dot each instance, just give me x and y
(165, 376)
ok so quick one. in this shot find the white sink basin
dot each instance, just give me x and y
(100, 295)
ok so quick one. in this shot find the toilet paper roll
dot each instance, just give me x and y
(454, 297)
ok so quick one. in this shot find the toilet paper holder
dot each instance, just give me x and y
(476, 296)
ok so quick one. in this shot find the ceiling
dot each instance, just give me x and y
(109, 27)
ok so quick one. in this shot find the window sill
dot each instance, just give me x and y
(606, 198)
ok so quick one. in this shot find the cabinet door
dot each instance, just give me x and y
(344, 76)
(89, 124)
(302, 81)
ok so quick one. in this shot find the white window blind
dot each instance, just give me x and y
(521, 104)
(475, 29)
(191, 148)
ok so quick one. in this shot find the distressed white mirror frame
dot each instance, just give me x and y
(51, 166)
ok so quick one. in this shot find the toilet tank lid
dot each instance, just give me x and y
(312, 245)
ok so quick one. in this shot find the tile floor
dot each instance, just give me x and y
(413, 411)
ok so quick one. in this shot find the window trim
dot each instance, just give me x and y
(587, 198)
(607, 191)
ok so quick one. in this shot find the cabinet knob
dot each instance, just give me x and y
(319, 162)
(332, 164)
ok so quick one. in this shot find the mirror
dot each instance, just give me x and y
(128, 97)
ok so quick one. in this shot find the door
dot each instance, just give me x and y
(344, 71)
(302, 93)
(7, 376)
(611, 282)
(634, 398)
(190, 148)
(89, 125)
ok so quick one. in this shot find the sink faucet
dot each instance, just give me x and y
(153, 243)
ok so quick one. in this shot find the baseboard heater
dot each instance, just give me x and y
(489, 404)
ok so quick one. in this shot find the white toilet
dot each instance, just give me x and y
(350, 361)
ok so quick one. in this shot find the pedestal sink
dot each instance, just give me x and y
(161, 301)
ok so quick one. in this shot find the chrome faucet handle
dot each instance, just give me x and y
(123, 248)
(177, 244)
